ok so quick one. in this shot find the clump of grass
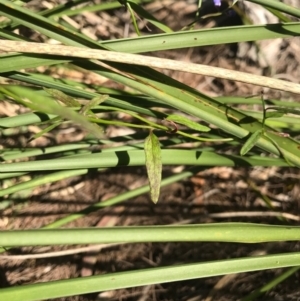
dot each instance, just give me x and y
(165, 114)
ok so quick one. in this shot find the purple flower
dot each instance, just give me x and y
(217, 2)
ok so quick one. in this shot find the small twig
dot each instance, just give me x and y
(254, 213)
(143, 60)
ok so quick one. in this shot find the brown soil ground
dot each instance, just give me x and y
(213, 195)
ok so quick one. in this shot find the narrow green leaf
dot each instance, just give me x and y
(133, 18)
(91, 104)
(281, 150)
(251, 142)
(273, 114)
(153, 165)
(201, 37)
(44, 131)
(147, 16)
(271, 284)
(285, 110)
(278, 5)
(189, 123)
(64, 98)
(211, 232)
(150, 276)
(283, 18)
(136, 157)
(45, 104)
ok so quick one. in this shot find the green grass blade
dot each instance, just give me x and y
(196, 38)
(251, 141)
(253, 101)
(8, 175)
(204, 108)
(151, 276)
(120, 198)
(147, 16)
(284, 110)
(221, 232)
(188, 123)
(62, 97)
(271, 284)
(203, 37)
(7, 155)
(47, 105)
(128, 6)
(56, 10)
(137, 158)
(17, 62)
(45, 131)
(76, 92)
(282, 7)
(96, 7)
(43, 25)
(42, 180)
(199, 105)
